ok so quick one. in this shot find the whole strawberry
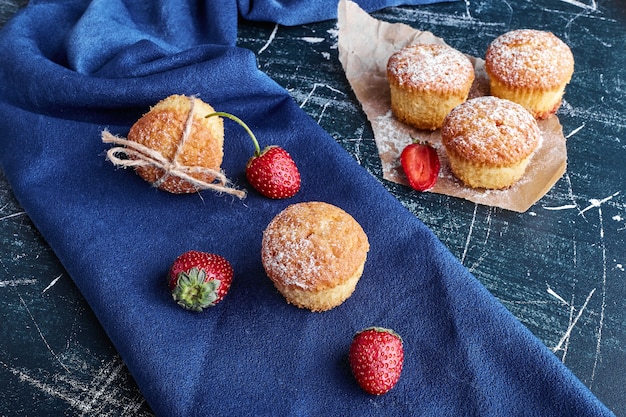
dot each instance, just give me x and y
(198, 279)
(376, 358)
(420, 163)
(272, 171)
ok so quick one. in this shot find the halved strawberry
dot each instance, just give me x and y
(420, 163)
(198, 279)
(272, 172)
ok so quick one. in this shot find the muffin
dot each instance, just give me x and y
(489, 141)
(426, 82)
(314, 253)
(530, 67)
(163, 129)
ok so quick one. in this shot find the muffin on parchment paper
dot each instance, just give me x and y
(530, 67)
(426, 81)
(489, 141)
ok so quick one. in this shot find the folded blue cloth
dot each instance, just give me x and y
(70, 69)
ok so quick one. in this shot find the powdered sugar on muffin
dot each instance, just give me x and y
(489, 141)
(426, 81)
(530, 67)
(314, 253)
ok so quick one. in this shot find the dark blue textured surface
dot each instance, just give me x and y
(465, 352)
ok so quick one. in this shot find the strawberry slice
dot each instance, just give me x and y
(420, 163)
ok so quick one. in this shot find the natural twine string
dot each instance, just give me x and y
(181, 143)
(138, 155)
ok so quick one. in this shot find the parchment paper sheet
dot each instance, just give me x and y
(365, 45)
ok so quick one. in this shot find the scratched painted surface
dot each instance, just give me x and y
(560, 267)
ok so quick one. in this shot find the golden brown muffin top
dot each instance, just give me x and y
(313, 246)
(530, 58)
(430, 67)
(492, 131)
(162, 128)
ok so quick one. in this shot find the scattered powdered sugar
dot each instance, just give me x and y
(529, 57)
(431, 66)
(365, 45)
(292, 259)
(311, 244)
(492, 130)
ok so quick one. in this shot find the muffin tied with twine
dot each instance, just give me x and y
(175, 147)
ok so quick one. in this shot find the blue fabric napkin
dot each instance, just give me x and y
(69, 69)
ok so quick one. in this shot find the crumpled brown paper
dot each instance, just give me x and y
(365, 44)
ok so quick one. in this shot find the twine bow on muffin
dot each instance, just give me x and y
(129, 153)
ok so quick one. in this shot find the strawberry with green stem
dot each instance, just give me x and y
(271, 171)
(198, 280)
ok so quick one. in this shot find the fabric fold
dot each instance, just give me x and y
(63, 79)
